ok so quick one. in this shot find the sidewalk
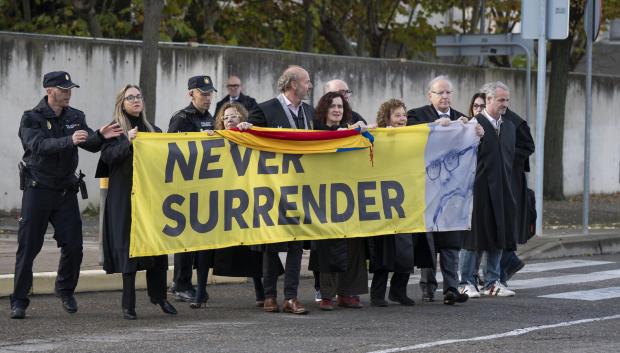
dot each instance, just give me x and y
(563, 237)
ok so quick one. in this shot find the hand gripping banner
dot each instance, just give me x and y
(194, 192)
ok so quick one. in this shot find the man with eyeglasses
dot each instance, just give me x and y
(287, 110)
(193, 118)
(493, 218)
(235, 94)
(51, 133)
(341, 87)
(447, 244)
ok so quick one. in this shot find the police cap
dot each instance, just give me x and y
(202, 83)
(60, 79)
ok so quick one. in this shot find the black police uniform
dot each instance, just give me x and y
(50, 195)
(188, 119)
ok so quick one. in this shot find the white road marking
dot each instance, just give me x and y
(566, 279)
(513, 333)
(589, 295)
(558, 265)
(530, 268)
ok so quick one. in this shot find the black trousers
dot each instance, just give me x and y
(40, 207)
(259, 290)
(155, 283)
(271, 268)
(449, 263)
(202, 272)
(183, 266)
(398, 284)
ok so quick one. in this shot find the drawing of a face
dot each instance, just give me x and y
(450, 157)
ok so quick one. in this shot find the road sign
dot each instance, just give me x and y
(483, 44)
(592, 18)
(557, 17)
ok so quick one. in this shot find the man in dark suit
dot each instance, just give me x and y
(494, 209)
(287, 110)
(447, 244)
(234, 88)
(439, 95)
(341, 87)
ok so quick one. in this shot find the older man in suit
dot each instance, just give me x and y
(494, 212)
(287, 110)
(447, 244)
(235, 94)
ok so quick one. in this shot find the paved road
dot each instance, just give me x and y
(545, 316)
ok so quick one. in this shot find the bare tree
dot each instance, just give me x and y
(150, 54)
(564, 56)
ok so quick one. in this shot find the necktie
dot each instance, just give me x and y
(444, 115)
(300, 119)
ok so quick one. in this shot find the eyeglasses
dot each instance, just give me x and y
(345, 92)
(481, 106)
(450, 161)
(233, 86)
(132, 98)
(442, 93)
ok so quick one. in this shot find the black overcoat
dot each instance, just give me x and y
(494, 204)
(247, 102)
(237, 261)
(271, 114)
(392, 253)
(428, 114)
(524, 147)
(116, 163)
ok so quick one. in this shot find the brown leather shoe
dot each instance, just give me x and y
(271, 305)
(294, 306)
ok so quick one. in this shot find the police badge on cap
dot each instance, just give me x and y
(60, 79)
(202, 83)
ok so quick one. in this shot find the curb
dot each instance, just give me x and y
(556, 246)
(96, 281)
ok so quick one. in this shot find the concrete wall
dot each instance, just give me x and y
(101, 67)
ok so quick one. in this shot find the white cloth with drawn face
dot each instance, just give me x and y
(450, 157)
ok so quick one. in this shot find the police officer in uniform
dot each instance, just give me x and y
(193, 118)
(50, 133)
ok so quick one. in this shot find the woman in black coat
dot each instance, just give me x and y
(341, 262)
(391, 253)
(116, 163)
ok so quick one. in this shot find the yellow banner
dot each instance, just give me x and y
(193, 192)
